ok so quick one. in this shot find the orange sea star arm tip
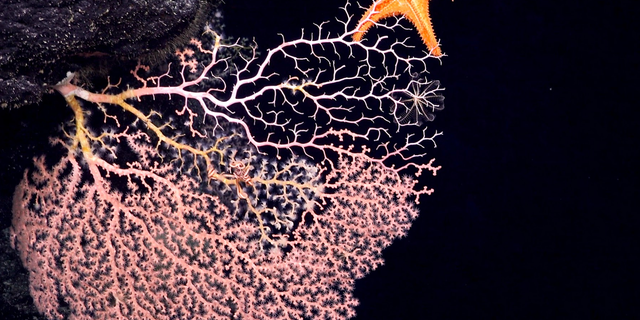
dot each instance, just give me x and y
(416, 11)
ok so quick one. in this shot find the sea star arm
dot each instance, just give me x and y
(416, 11)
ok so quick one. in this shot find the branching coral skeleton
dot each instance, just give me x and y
(275, 183)
(340, 103)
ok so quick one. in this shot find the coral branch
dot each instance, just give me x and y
(263, 192)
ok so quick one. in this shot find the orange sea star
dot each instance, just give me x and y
(416, 11)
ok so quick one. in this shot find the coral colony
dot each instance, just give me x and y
(231, 185)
